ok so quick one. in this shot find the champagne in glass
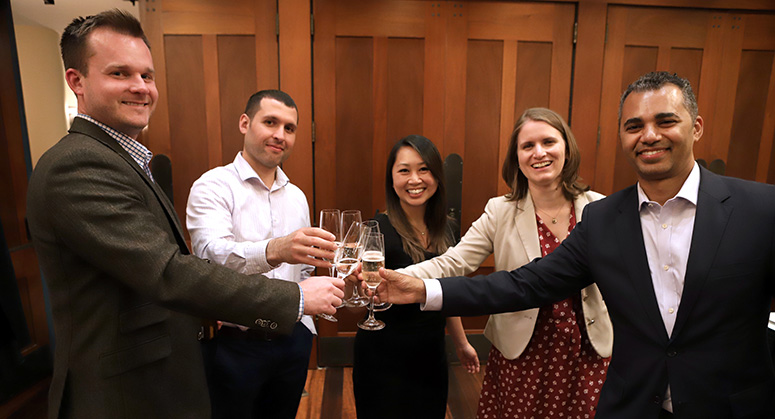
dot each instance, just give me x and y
(373, 259)
(372, 226)
(371, 262)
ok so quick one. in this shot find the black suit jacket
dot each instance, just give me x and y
(124, 289)
(716, 360)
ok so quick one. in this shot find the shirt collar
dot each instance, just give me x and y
(245, 172)
(137, 151)
(689, 191)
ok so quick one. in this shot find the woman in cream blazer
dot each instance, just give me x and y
(507, 230)
(542, 169)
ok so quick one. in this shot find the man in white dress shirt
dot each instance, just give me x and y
(684, 259)
(249, 217)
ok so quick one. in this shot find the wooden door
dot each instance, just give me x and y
(459, 73)
(743, 126)
(209, 57)
(727, 57)
(25, 352)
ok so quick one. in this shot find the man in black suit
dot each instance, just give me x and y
(124, 288)
(685, 261)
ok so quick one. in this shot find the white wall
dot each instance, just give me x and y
(43, 86)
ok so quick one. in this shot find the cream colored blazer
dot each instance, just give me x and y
(510, 232)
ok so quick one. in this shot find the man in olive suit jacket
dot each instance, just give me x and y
(125, 292)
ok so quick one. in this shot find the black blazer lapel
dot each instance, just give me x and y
(82, 126)
(630, 239)
(709, 225)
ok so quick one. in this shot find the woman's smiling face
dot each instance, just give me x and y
(541, 153)
(412, 179)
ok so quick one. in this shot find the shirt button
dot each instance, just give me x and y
(665, 267)
(664, 225)
(670, 310)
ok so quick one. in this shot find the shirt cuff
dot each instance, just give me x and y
(301, 303)
(433, 295)
(255, 255)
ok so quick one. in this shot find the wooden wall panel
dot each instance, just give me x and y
(404, 106)
(186, 97)
(354, 122)
(750, 101)
(237, 82)
(455, 65)
(379, 145)
(405, 88)
(525, 21)
(211, 71)
(388, 18)
(435, 77)
(587, 84)
(480, 161)
(534, 69)
(688, 63)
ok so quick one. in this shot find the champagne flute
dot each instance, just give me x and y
(349, 253)
(331, 221)
(349, 217)
(373, 258)
(372, 226)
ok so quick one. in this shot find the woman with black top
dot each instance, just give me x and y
(401, 370)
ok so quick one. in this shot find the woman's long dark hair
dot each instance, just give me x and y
(439, 234)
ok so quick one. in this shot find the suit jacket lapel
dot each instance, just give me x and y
(85, 127)
(709, 224)
(630, 239)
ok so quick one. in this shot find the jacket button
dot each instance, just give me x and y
(671, 353)
(657, 400)
(591, 322)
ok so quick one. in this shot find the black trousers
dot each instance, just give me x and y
(254, 375)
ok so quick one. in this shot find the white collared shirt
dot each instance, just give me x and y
(667, 236)
(232, 215)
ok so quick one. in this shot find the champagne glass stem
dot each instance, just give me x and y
(371, 307)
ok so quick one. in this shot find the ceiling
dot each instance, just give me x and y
(57, 16)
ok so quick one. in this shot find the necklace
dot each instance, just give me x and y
(554, 218)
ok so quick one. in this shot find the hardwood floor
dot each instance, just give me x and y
(330, 394)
